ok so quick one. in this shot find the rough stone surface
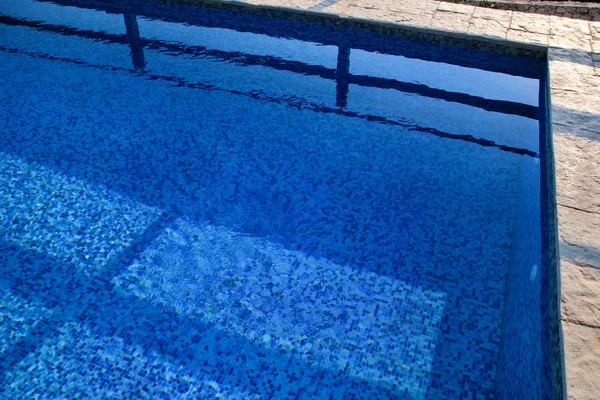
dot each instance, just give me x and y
(570, 33)
(337, 8)
(488, 27)
(451, 21)
(301, 3)
(577, 173)
(582, 101)
(409, 9)
(571, 41)
(456, 8)
(418, 20)
(531, 23)
(575, 74)
(582, 356)
(267, 2)
(596, 55)
(567, 25)
(528, 37)
(495, 15)
(369, 4)
(579, 238)
(424, 6)
(595, 29)
(568, 55)
(580, 294)
(575, 122)
(366, 13)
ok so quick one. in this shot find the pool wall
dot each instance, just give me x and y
(554, 364)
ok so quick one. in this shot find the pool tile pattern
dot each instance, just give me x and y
(575, 120)
(197, 273)
(84, 337)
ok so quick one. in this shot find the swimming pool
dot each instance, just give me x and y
(196, 203)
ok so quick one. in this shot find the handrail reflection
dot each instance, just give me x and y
(341, 74)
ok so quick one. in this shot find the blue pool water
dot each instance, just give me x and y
(203, 204)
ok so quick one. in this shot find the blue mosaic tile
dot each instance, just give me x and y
(195, 211)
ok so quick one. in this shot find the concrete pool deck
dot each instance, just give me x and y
(574, 69)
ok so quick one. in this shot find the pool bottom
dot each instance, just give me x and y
(204, 248)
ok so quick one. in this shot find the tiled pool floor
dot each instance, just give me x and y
(179, 289)
(189, 275)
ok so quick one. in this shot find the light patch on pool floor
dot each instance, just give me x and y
(80, 360)
(65, 218)
(18, 317)
(329, 315)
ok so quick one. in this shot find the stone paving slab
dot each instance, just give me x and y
(574, 71)
(490, 23)
(531, 23)
(582, 355)
(580, 239)
(525, 36)
(570, 33)
(489, 27)
(580, 294)
(453, 20)
(578, 175)
(573, 9)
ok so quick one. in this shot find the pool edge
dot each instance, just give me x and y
(389, 28)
